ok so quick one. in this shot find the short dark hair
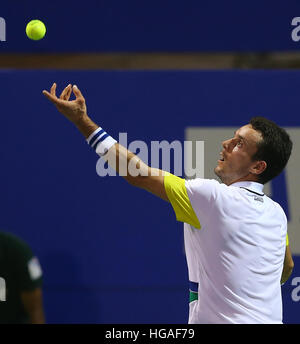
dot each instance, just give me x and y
(275, 148)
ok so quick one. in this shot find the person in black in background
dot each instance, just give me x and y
(21, 282)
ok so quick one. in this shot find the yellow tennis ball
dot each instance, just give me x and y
(35, 30)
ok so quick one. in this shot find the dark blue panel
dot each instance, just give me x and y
(99, 238)
(123, 306)
(145, 26)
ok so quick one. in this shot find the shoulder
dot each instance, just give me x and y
(208, 187)
(280, 211)
(201, 183)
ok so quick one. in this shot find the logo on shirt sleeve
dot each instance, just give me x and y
(259, 199)
(34, 268)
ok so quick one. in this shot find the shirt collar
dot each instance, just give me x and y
(253, 186)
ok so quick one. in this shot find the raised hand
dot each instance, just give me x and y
(74, 110)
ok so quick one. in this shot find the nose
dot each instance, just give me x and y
(225, 144)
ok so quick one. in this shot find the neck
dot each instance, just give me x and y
(249, 178)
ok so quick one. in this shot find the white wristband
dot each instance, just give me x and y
(100, 141)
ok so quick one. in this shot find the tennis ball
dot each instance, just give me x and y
(35, 30)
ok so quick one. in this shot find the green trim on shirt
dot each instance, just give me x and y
(193, 296)
(178, 197)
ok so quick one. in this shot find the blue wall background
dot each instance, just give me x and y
(156, 25)
(111, 253)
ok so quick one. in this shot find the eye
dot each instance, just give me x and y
(239, 143)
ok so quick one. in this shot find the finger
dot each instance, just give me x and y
(65, 95)
(52, 98)
(77, 92)
(53, 90)
(69, 92)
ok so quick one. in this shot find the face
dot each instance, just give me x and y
(236, 162)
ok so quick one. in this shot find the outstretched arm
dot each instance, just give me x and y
(117, 156)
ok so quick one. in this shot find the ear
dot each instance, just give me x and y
(258, 167)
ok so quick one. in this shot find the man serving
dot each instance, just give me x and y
(235, 236)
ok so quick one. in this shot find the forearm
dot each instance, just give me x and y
(86, 126)
(127, 164)
(130, 166)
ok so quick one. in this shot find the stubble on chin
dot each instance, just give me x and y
(220, 174)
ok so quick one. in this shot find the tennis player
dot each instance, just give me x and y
(235, 236)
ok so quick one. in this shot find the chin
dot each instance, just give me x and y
(218, 173)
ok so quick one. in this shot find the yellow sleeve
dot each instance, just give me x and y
(177, 194)
(287, 240)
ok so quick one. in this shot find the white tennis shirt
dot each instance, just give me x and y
(237, 256)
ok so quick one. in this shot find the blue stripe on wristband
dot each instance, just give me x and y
(93, 134)
(94, 138)
(101, 139)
